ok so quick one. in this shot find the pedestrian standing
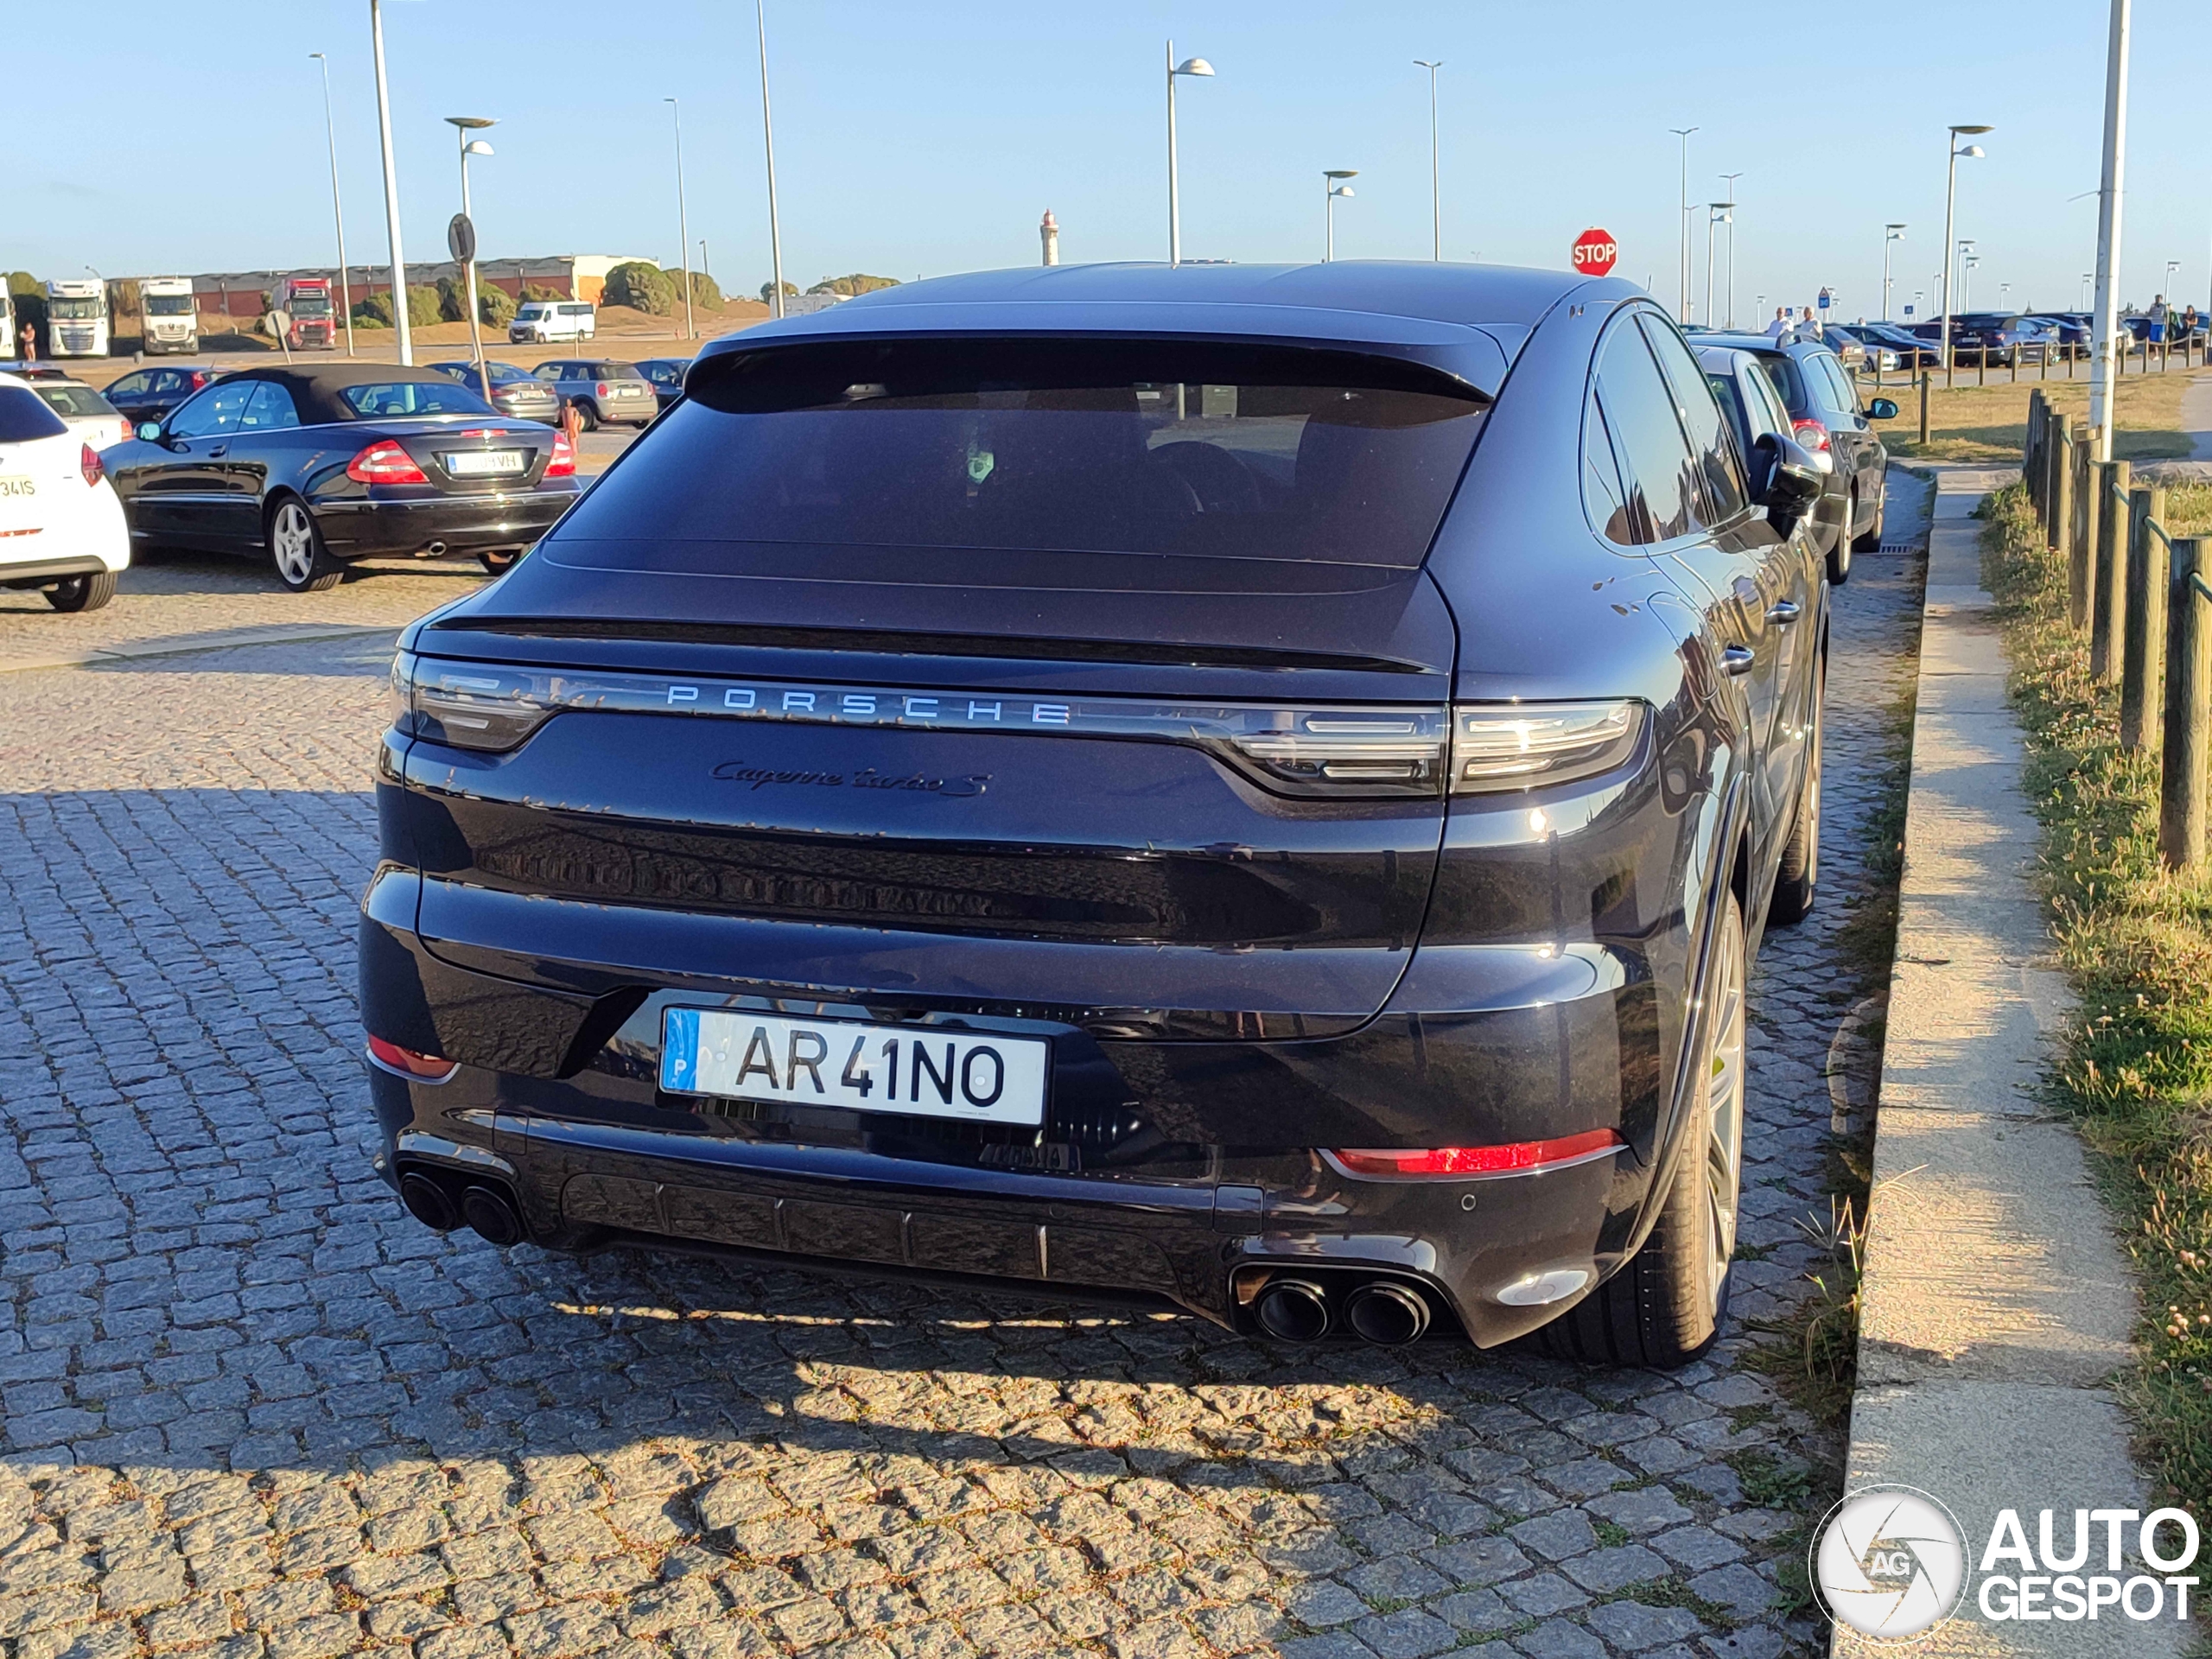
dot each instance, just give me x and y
(572, 424)
(1780, 326)
(2158, 314)
(30, 338)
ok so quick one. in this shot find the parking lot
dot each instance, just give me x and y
(252, 1407)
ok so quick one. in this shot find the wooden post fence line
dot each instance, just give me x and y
(2142, 675)
(2081, 532)
(2189, 709)
(2106, 631)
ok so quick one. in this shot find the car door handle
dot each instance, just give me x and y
(1784, 610)
(219, 449)
(1737, 659)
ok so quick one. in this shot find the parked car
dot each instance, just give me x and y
(1858, 348)
(2002, 333)
(667, 375)
(1913, 351)
(1763, 430)
(540, 322)
(61, 530)
(1129, 797)
(1828, 415)
(86, 413)
(514, 392)
(312, 468)
(35, 371)
(2075, 329)
(604, 392)
(149, 394)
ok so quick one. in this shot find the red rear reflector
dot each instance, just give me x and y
(1811, 433)
(88, 463)
(1513, 1159)
(384, 463)
(563, 464)
(423, 1068)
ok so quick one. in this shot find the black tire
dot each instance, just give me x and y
(1797, 884)
(295, 548)
(1840, 558)
(1872, 541)
(587, 414)
(84, 593)
(1664, 1307)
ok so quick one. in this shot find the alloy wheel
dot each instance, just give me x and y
(1724, 1160)
(291, 541)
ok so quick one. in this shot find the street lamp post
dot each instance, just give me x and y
(2111, 184)
(1716, 213)
(768, 144)
(1950, 205)
(1332, 181)
(1435, 168)
(1198, 67)
(462, 126)
(1967, 261)
(682, 223)
(705, 269)
(1891, 233)
(1683, 133)
(390, 193)
(337, 212)
(1729, 178)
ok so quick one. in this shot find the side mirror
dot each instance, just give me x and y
(1882, 409)
(149, 431)
(1791, 478)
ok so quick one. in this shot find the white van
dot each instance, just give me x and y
(171, 320)
(76, 318)
(539, 321)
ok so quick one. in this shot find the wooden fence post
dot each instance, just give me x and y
(1923, 406)
(2032, 450)
(1981, 375)
(2082, 559)
(2105, 637)
(2188, 712)
(2143, 669)
(2061, 525)
(2056, 461)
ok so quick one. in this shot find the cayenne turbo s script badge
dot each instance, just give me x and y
(736, 772)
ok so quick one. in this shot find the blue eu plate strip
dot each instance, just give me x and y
(679, 1050)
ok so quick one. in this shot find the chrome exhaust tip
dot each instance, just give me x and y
(1293, 1310)
(1387, 1315)
(492, 1215)
(427, 1202)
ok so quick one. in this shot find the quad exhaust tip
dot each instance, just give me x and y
(427, 1202)
(1387, 1315)
(1293, 1310)
(491, 1214)
(484, 1210)
(1381, 1311)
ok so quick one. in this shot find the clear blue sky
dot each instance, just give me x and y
(924, 137)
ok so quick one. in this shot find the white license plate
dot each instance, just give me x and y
(484, 463)
(921, 1070)
(17, 485)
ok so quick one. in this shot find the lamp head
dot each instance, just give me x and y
(1340, 172)
(318, 55)
(1193, 67)
(1972, 153)
(1344, 190)
(470, 122)
(477, 147)
(1972, 129)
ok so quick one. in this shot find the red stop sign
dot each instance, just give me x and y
(1595, 252)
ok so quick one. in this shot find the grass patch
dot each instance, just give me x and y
(1672, 1592)
(1772, 1483)
(1610, 1534)
(2136, 1071)
(1971, 422)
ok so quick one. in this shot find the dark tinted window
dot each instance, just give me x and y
(24, 417)
(1718, 470)
(1655, 458)
(216, 410)
(1731, 404)
(67, 399)
(168, 305)
(1603, 498)
(1123, 447)
(131, 385)
(1841, 395)
(615, 372)
(271, 410)
(384, 400)
(1787, 380)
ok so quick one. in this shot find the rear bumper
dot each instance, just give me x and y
(96, 540)
(356, 529)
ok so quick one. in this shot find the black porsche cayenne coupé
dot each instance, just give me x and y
(1248, 788)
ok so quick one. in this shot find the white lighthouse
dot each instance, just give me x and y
(1049, 234)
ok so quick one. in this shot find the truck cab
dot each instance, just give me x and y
(307, 300)
(76, 318)
(170, 317)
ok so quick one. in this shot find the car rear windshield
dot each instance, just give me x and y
(75, 400)
(615, 372)
(1787, 380)
(381, 400)
(1146, 447)
(24, 417)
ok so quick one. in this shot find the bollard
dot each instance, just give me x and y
(2188, 711)
(1923, 406)
(2143, 650)
(2081, 563)
(1981, 373)
(2111, 543)
(2031, 451)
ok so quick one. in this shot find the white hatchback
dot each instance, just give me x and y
(62, 528)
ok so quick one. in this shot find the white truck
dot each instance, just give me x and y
(170, 317)
(76, 318)
(8, 324)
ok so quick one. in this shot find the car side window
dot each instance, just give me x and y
(1656, 470)
(1838, 378)
(270, 410)
(1603, 498)
(214, 411)
(1721, 470)
(132, 385)
(549, 370)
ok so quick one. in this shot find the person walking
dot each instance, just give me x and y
(2158, 315)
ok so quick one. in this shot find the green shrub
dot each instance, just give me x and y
(541, 291)
(422, 306)
(768, 291)
(859, 282)
(494, 304)
(642, 286)
(705, 291)
(368, 315)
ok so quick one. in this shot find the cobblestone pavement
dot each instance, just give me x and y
(249, 1407)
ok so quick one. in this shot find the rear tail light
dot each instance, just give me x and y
(600, 389)
(88, 463)
(1811, 433)
(384, 463)
(1446, 1163)
(563, 464)
(1523, 745)
(409, 1063)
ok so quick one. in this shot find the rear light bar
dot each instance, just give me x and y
(88, 463)
(1347, 753)
(563, 464)
(415, 1066)
(384, 463)
(1447, 1163)
(1810, 433)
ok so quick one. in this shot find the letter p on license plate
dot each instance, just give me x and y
(920, 1071)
